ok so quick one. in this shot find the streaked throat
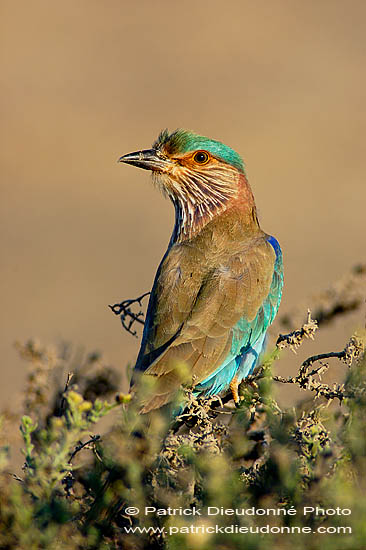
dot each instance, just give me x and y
(198, 197)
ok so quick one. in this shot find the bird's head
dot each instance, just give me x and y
(200, 175)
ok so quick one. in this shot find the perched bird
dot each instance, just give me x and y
(219, 284)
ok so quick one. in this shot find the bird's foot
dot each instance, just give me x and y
(234, 385)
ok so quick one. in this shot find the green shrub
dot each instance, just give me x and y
(261, 463)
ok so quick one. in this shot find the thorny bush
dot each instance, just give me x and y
(76, 485)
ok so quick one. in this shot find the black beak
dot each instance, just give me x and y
(150, 159)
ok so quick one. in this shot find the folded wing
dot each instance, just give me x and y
(206, 316)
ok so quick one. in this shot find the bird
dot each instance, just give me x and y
(219, 284)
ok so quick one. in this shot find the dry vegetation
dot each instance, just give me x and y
(77, 484)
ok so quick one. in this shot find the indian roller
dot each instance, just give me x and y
(219, 284)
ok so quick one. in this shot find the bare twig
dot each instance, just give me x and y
(63, 400)
(93, 439)
(17, 478)
(127, 315)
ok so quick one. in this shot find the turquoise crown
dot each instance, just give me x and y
(184, 141)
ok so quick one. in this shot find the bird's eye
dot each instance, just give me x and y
(201, 157)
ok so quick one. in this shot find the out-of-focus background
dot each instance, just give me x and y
(283, 82)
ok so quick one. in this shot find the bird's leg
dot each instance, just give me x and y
(234, 384)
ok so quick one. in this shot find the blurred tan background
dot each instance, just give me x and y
(83, 82)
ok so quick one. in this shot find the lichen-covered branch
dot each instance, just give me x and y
(294, 339)
(305, 378)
